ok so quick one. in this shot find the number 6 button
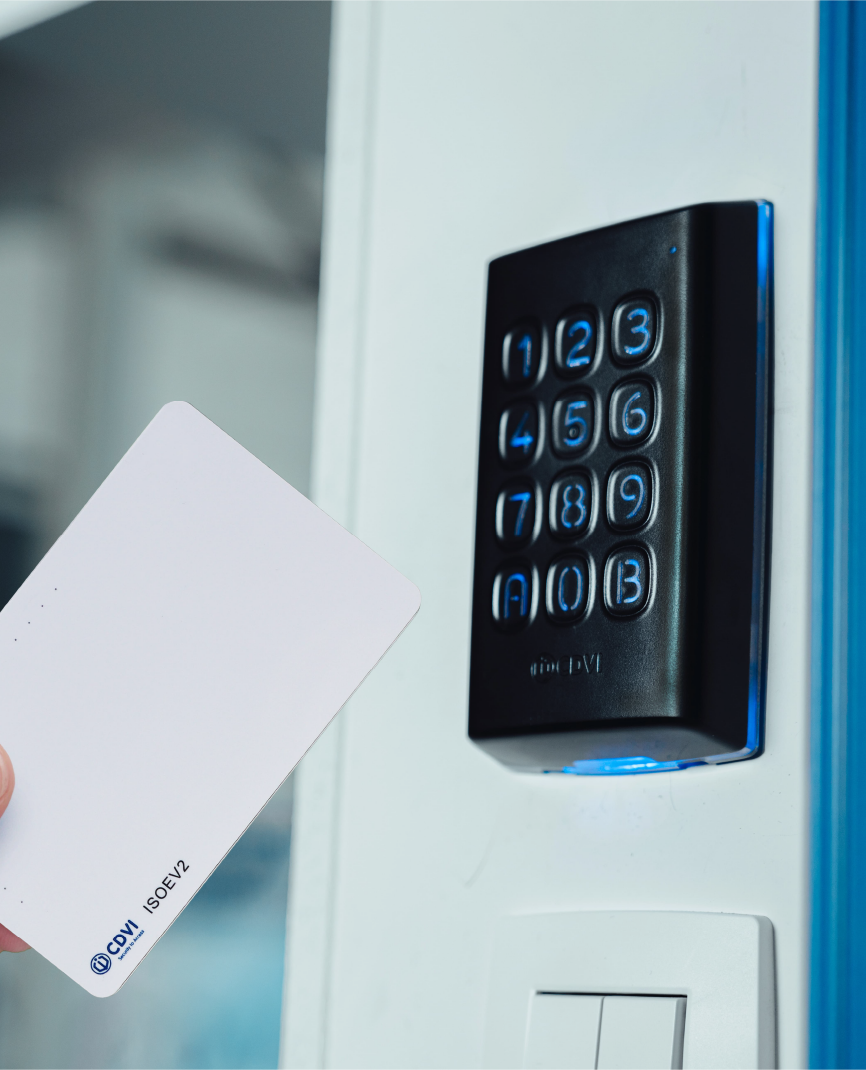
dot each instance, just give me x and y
(632, 411)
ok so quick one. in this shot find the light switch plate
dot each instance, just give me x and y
(162, 670)
(723, 964)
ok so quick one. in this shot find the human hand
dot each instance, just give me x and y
(8, 941)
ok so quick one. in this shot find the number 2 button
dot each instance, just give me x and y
(632, 412)
(570, 505)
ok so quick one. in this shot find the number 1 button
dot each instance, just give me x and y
(521, 353)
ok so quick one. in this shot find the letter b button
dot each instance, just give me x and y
(626, 581)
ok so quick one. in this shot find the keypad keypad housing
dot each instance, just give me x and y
(619, 598)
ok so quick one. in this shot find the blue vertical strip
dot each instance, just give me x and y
(838, 967)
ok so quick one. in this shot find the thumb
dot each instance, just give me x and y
(7, 780)
(8, 941)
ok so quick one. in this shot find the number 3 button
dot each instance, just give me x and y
(570, 505)
(632, 411)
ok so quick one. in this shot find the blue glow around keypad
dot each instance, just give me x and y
(625, 766)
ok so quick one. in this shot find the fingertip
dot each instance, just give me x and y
(7, 780)
(9, 941)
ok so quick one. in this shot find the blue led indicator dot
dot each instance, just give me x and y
(673, 249)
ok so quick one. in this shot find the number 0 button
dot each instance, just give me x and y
(573, 422)
(632, 411)
(570, 505)
(634, 330)
(626, 581)
(567, 588)
(629, 496)
(518, 433)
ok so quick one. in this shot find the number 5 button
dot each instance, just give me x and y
(572, 424)
(632, 412)
(570, 505)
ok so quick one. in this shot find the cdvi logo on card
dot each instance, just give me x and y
(101, 963)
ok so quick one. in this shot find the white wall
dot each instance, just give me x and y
(458, 132)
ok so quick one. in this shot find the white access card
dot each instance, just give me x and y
(162, 670)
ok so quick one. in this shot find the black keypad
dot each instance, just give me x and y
(570, 505)
(572, 423)
(512, 596)
(613, 599)
(576, 342)
(567, 589)
(629, 496)
(634, 330)
(626, 581)
(632, 413)
(515, 514)
(521, 354)
(518, 433)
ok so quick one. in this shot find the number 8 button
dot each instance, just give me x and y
(570, 505)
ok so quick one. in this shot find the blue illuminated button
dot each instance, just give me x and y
(567, 589)
(572, 424)
(570, 505)
(576, 342)
(515, 514)
(518, 433)
(521, 354)
(632, 411)
(633, 333)
(626, 581)
(512, 597)
(629, 495)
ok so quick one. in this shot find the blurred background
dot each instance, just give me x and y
(160, 218)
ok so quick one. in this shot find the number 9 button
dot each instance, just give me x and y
(629, 496)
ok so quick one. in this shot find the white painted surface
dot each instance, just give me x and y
(642, 1033)
(17, 15)
(163, 669)
(562, 1033)
(493, 127)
